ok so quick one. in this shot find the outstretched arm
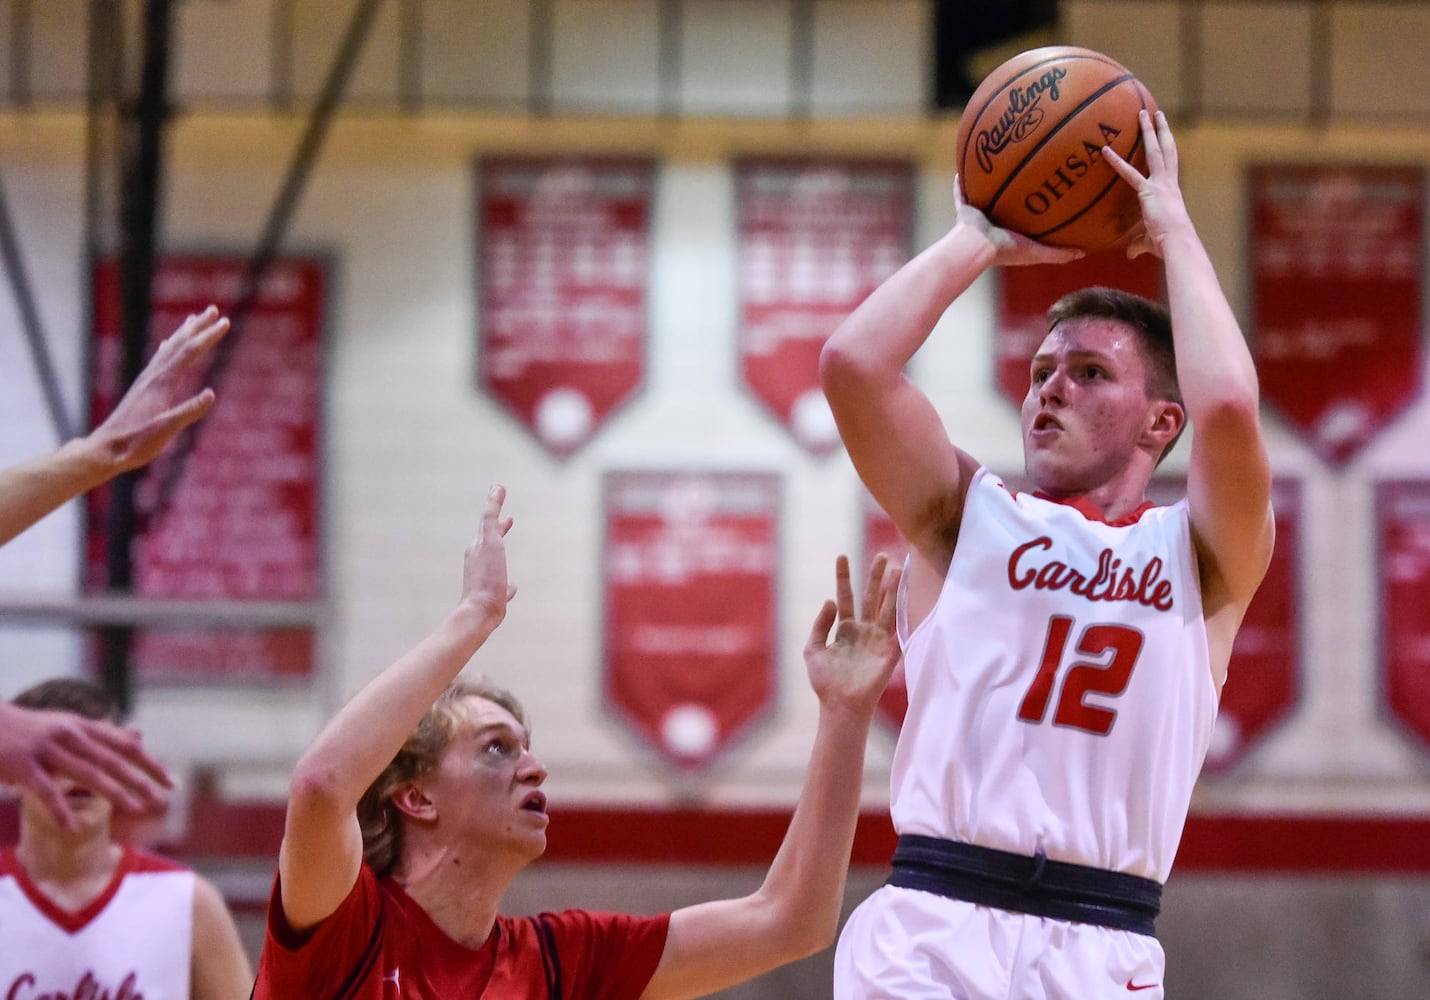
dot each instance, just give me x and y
(892, 431)
(796, 911)
(1229, 476)
(147, 419)
(321, 853)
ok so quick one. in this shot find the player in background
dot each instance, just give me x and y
(87, 916)
(1064, 650)
(421, 801)
(39, 750)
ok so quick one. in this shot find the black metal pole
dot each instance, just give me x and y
(801, 59)
(540, 42)
(21, 30)
(139, 212)
(1322, 45)
(670, 32)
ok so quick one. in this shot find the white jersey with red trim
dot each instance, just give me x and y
(132, 943)
(1060, 691)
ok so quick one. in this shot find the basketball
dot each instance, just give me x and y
(1030, 144)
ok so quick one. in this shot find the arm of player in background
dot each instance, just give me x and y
(218, 965)
(796, 911)
(147, 419)
(321, 853)
(1229, 476)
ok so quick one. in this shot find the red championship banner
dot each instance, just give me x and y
(880, 535)
(563, 258)
(240, 522)
(815, 238)
(690, 559)
(1264, 676)
(1403, 513)
(1336, 261)
(1025, 293)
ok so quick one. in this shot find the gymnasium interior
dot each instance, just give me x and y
(348, 178)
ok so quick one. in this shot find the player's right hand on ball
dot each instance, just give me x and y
(1012, 249)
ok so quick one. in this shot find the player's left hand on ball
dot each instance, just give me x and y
(1158, 194)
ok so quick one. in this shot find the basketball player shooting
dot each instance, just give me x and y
(1065, 650)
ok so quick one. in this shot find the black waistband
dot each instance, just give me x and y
(1022, 884)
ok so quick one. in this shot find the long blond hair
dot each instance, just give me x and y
(380, 819)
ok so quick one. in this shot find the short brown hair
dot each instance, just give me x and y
(71, 694)
(381, 821)
(1151, 321)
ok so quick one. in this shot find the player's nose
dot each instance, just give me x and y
(1054, 387)
(530, 769)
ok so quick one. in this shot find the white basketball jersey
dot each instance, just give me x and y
(1060, 691)
(132, 943)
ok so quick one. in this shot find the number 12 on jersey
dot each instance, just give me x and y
(1106, 678)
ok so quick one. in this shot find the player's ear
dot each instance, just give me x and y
(413, 801)
(1164, 423)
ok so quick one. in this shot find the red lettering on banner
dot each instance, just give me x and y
(690, 568)
(563, 261)
(815, 238)
(675, 557)
(1337, 256)
(236, 517)
(1111, 581)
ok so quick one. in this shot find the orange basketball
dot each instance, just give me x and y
(1030, 146)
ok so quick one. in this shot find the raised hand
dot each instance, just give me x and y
(41, 748)
(152, 414)
(1158, 194)
(854, 668)
(485, 587)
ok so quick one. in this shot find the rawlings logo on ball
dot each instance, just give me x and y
(1022, 117)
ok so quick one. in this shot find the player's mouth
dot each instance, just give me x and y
(1046, 424)
(535, 802)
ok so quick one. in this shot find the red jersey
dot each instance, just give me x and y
(380, 945)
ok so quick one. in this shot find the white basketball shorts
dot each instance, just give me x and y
(904, 944)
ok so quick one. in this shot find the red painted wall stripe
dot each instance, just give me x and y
(1289, 844)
